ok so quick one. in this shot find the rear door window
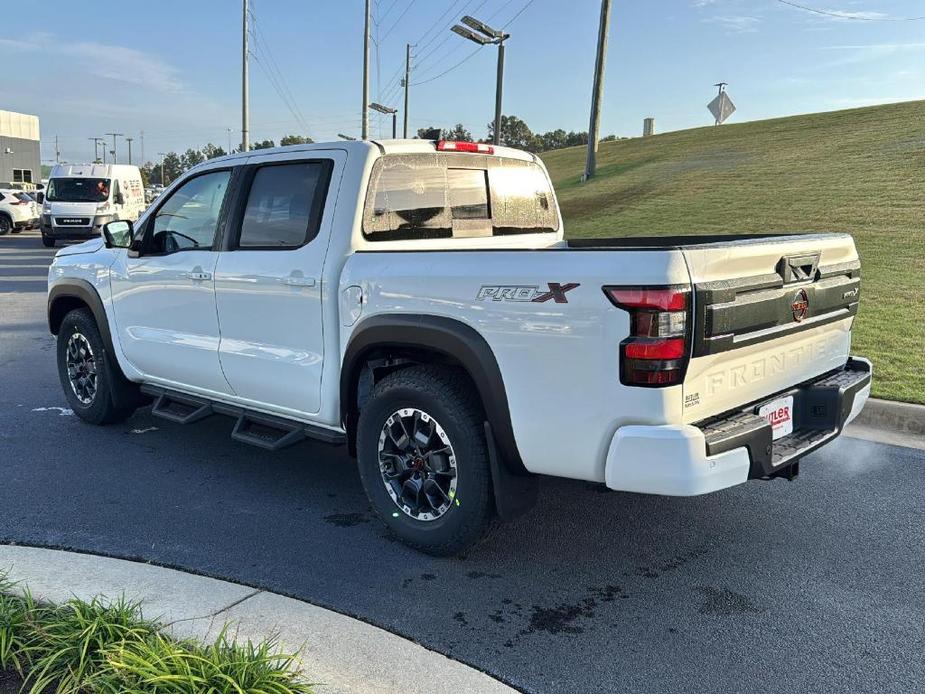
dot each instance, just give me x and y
(427, 196)
(284, 205)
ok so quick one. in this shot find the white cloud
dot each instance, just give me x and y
(107, 61)
(736, 24)
(862, 53)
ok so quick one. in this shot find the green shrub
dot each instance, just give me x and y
(164, 666)
(67, 650)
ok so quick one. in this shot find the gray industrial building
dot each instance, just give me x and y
(20, 158)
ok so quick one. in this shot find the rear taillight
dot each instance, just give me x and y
(656, 352)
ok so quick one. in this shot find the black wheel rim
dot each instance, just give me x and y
(81, 368)
(417, 464)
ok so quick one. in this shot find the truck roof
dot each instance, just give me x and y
(363, 148)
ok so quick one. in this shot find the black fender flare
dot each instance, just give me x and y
(60, 300)
(446, 336)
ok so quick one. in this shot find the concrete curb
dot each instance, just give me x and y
(899, 417)
(896, 423)
(344, 655)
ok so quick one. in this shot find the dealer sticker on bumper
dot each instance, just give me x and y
(779, 414)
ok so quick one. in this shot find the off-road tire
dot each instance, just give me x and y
(47, 241)
(103, 408)
(447, 395)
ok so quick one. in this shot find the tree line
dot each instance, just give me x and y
(514, 133)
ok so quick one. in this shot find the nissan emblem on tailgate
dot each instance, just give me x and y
(800, 305)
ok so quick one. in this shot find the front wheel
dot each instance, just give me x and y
(424, 461)
(5, 225)
(86, 376)
(47, 241)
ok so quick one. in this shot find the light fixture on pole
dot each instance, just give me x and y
(483, 35)
(345, 137)
(386, 110)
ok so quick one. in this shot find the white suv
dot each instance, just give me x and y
(18, 211)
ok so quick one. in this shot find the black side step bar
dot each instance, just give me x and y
(181, 409)
(265, 431)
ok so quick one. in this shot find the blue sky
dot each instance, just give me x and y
(172, 69)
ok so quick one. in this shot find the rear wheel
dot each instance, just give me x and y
(5, 225)
(47, 241)
(424, 461)
(87, 377)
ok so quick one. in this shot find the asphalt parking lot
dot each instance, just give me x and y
(815, 585)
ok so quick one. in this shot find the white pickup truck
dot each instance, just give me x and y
(416, 301)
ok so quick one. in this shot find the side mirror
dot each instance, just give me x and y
(40, 197)
(119, 199)
(119, 234)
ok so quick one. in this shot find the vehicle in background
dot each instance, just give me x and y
(81, 198)
(152, 193)
(18, 211)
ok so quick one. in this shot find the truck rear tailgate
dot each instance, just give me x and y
(768, 313)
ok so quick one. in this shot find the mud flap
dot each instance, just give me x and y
(514, 494)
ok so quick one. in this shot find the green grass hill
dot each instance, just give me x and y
(860, 171)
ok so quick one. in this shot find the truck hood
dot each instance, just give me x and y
(73, 209)
(91, 246)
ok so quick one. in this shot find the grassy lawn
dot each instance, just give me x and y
(860, 171)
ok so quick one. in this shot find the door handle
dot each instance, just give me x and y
(199, 276)
(297, 281)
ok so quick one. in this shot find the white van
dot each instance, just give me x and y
(81, 198)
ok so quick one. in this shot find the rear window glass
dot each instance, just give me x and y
(427, 196)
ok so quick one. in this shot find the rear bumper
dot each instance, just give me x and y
(26, 223)
(689, 459)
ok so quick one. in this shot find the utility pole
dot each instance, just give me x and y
(57, 151)
(129, 140)
(483, 35)
(96, 147)
(594, 128)
(245, 106)
(406, 84)
(114, 136)
(364, 129)
(229, 140)
(162, 155)
(142, 147)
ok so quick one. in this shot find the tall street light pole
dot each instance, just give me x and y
(594, 128)
(483, 35)
(162, 155)
(364, 130)
(129, 141)
(406, 83)
(96, 147)
(114, 136)
(245, 106)
(388, 111)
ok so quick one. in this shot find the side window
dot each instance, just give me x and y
(284, 205)
(189, 218)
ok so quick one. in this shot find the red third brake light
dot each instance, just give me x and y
(453, 146)
(656, 352)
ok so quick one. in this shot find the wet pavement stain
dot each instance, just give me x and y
(346, 520)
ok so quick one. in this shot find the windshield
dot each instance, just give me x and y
(78, 190)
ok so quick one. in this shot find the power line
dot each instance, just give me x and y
(398, 21)
(857, 16)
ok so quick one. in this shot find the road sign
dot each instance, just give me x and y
(721, 107)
